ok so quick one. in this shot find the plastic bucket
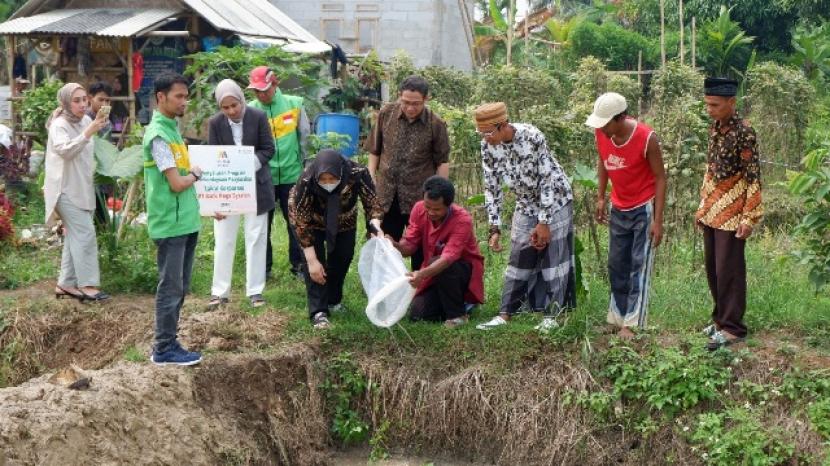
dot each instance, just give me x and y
(340, 123)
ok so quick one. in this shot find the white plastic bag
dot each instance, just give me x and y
(383, 275)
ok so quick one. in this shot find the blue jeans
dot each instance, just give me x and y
(175, 263)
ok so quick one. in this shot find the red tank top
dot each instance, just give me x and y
(632, 182)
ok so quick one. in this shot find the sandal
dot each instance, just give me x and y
(97, 297)
(710, 331)
(216, 301)
(257, 300)
(720, 340)
(64, 294)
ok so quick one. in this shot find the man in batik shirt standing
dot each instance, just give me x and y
(730, 208)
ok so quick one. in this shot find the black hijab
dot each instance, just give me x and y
(332, 162)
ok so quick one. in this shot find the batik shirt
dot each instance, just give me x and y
(731, 191)
(529, 170)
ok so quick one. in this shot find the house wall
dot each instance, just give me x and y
(430, 31)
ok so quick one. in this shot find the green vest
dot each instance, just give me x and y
(169, 214)
(284, 119)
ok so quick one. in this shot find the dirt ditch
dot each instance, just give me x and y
(256, 400)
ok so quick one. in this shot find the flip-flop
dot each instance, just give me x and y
(64, 294)
(97, 297)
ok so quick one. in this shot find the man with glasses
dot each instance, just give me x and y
(290, 127)
(408, 144)
(540, 274)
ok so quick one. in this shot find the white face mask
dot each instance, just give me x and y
(329, 186)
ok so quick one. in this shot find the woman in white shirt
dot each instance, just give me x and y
(241, 125)
(69, 192)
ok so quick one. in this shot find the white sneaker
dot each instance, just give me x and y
(494, 322)
(547, 324)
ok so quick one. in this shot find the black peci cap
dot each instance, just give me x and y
(723, 87)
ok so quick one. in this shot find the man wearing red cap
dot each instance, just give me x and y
(290, 127)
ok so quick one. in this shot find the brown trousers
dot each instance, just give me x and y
(726, 272)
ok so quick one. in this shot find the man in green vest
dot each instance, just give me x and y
(290, 127)
(172, 215)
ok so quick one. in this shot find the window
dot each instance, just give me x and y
(331, 29)
(367, 34)
(332, 7)
(363, 7)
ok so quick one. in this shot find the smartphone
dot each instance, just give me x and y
(104, 111)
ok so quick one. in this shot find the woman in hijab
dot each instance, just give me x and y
(240, 125)
(69, 193)
(323, 209)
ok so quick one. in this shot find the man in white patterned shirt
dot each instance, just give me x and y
(540, 272)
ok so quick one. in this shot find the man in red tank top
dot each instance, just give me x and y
(630, 156)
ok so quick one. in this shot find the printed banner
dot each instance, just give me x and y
(228, 183)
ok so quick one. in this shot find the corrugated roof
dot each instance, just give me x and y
(107, 22)
(251, 17)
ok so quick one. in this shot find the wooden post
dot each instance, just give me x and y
(681, 33)
(10, 43)
(527, 40)
(694, 45)
(130, 90)
(510, 30)
(128, 203)
(640, 84)
(663, 33)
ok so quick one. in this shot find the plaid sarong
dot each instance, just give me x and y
(541, 281)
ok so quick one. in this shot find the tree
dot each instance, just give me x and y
(725, 46)
(812, 52)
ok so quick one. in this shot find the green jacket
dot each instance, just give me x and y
(169, 214)
(284, 118)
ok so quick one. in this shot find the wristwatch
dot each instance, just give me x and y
(196, 176)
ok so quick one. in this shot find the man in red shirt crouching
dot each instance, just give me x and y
(454, 276)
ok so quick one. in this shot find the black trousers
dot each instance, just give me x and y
(444, 299)
(336, 264)
(394, 222)
(295, 254)
(726, 272)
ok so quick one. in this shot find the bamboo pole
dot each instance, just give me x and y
(128, 203)
(510, 31)
(468, 33)
(682, 50)
(663, 33)
(527, 41)
(130, 90)
(640, 84)
(694, 45)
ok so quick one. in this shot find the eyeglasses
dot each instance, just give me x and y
(487, 134)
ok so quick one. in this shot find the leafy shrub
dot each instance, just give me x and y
(666, 379)
(519, 88)
(628, 88)
(780, 99)
(616, 46)
(400, 67)
(36, 107)
(128, 265)
(465, 148)
(343, 387)
(677, 115)
(208, 68)
(737, 437)
(590, 80)
(448, 85)
(813, 187)
(819, 413)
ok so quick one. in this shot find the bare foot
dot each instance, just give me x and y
(625, 333)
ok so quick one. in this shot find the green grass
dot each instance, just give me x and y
(133, 354)
(780, 297)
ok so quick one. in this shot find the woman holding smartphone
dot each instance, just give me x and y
(69, 192)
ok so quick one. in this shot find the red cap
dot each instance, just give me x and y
(261, 78)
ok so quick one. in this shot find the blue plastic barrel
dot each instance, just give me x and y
(340, 123)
